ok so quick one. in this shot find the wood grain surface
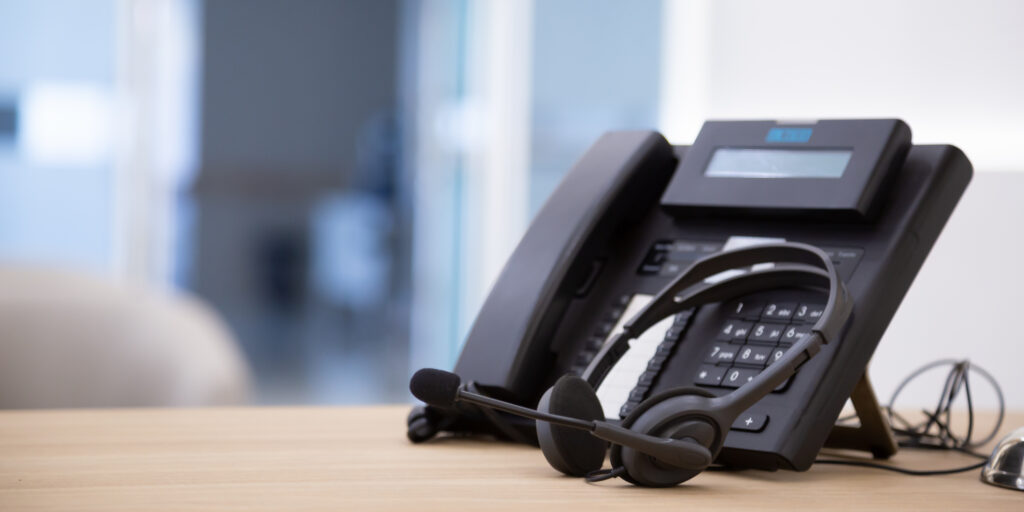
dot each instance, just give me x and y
(296, 459)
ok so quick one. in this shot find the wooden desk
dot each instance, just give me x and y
(358, 459)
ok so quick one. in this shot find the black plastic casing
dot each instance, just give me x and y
(582, 252)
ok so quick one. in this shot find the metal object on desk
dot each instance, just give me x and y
(1005, 467)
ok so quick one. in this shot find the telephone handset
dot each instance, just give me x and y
(635, 212)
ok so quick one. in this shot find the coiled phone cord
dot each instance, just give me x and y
(935, 432)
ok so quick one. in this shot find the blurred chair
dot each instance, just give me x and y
(72, 340)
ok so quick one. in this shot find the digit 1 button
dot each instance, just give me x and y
(748, 310)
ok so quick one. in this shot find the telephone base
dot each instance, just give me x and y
(874, 434)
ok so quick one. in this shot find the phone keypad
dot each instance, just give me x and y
(746, 343)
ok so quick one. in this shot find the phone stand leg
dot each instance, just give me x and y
(874, 434)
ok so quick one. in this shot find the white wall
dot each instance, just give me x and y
(954, 71)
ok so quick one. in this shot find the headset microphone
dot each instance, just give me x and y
(443, 389)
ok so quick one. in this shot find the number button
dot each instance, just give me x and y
(808, 312)
(793, 333)
(776, 355)
(721, 353)
(748, 310)
(734, 330)
(778, 311)
(753, 355)
(766, 333)
(737, 377)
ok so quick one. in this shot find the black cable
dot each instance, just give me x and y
(600, 475)
(935, 432)
(912, 472)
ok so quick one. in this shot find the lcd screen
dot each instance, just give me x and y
(777, 163)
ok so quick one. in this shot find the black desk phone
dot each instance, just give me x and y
(635, 212)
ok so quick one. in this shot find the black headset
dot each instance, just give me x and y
(672, 436)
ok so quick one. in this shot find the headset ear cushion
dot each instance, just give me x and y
(571, 451)
(616, 452)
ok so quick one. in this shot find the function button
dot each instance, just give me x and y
(603, 329)
(808, 312)
(615, 313)
(638, 394)
(745, 309)
(648, 269)
(766, 333)
(778, 311)
(671, 269)
(593, 344)
(709, 247)
(627, 409)
(674, 333)
(710, 375)
(622, 301)
(737, 377)
(647, 378)
(665, 349)
(583, 359)
(683, 318)
(753, 355)
(750, 422)
(734, 330)
(776, 354)
(655, 364)
(721, 353)
(793, 333)
(662, 246)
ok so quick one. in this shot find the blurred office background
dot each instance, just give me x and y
(340, 181)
